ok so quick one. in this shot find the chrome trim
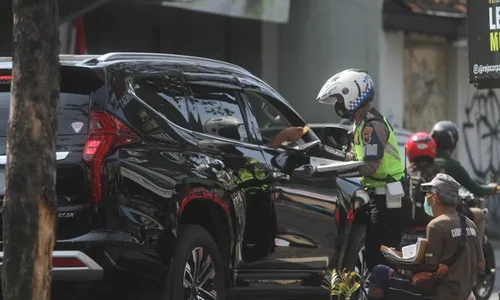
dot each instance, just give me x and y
(61, 155)
(91, 272)
(324, 259)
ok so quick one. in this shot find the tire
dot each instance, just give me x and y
(486, 280)
(355, 259)
(194, 241)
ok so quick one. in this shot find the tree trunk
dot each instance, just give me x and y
(29, 208)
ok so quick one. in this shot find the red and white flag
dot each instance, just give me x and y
(78, 39)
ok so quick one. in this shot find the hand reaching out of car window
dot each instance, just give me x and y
(291, 134)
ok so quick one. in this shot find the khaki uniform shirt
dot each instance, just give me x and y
(444, 234)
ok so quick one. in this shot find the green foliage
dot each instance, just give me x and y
(343, 284)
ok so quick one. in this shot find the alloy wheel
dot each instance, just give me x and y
(199, 276)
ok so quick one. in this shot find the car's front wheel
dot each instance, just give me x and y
(197, 272)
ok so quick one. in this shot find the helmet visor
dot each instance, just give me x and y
(341, 110)
(328, 100)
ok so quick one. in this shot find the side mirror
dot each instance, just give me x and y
(359, 198)
(338, 138)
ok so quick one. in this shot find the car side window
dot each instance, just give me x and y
(164, 93)
(219, 112)
(273, 117)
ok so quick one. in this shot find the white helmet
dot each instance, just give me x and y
(348, 91)
(228, 127)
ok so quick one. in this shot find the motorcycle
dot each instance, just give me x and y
(486, 279)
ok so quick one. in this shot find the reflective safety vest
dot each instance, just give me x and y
(391, 167)
(249, 176)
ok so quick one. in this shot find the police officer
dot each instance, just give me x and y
(351, 92)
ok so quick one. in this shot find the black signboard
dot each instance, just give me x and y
(483, 19)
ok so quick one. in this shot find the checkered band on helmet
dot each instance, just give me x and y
(363, 96)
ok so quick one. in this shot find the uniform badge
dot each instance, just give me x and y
(367, 134)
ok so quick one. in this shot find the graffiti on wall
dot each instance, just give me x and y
(425, 85)
(481, 131)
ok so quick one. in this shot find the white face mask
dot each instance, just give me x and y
(427, 207)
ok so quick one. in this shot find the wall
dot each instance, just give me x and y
(324, 37)
(478, 119)
(476, 113)
(150, 28)
(270, 53)
(6, 30)
(415, 80)
(425, 82)
(391, 70)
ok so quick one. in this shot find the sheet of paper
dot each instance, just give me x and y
(409, 251)
(305, 129)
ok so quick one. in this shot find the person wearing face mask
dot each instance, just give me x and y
(351, 92)
(453, 255)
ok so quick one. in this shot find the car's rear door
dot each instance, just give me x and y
(72, 185)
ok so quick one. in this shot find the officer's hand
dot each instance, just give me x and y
(350, 156)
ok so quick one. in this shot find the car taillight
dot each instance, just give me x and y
(67, 262)
(350, 216)
(105, 133)
(337, 217)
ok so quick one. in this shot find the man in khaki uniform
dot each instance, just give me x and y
(456, 265)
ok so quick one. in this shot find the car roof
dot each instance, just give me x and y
(117, 57)
(136, 61)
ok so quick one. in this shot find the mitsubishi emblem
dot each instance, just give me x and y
(77, 126)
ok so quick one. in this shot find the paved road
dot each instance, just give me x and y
(79, 295)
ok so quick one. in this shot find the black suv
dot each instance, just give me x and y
(164, 174)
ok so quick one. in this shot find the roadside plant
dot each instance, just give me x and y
(342, 285)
